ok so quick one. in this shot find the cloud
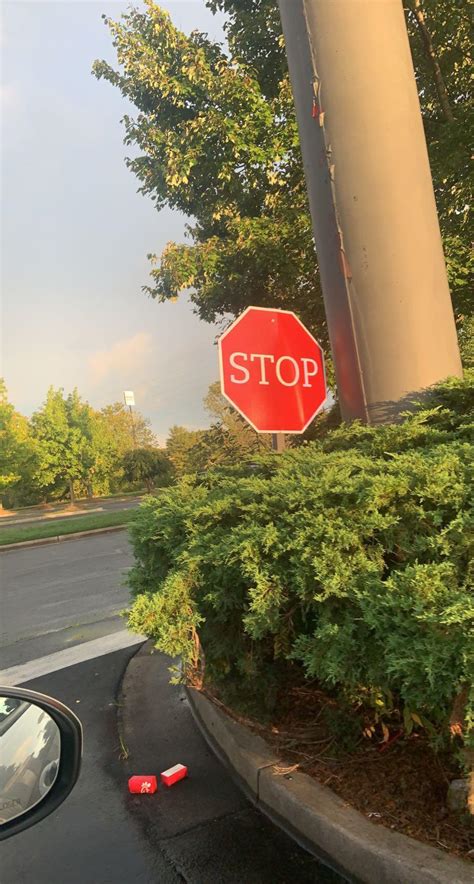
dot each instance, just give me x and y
(124, 359)
(9, 96)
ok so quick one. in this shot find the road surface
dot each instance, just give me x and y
(62, 599)
(61, 594)
(98, 835)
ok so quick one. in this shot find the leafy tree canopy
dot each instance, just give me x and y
(58, 457)
(440, 33)
(66, 446)
(17, 451)
(212, 144)
(180, 446)
(246, 439)
(227, 441)
(215, 136)
(126, 429)
(149, 466)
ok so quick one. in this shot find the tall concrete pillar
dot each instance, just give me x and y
(375, 224)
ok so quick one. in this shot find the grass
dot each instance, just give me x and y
(40, 530)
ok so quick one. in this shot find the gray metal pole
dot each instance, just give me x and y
(375, 225)
(278, 442)
(133, 427)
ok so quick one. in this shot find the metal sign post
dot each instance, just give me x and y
(278, 442)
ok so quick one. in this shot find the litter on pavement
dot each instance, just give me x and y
(142, 785)
(173, 774)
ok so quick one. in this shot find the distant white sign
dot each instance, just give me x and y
(129, 397)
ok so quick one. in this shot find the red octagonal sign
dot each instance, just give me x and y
(272, 370)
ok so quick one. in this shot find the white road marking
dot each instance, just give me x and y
(16, 675)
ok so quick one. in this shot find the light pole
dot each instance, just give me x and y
(129, 399)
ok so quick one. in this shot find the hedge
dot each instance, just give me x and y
(349, 557)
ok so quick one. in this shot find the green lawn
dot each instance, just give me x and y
(17, 533)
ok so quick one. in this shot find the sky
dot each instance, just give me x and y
(75, 233)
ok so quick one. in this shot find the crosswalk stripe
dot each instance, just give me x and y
(98, 647)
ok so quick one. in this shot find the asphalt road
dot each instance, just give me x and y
(91, 838)
(61, 594)
(63, 598)
(100, 836)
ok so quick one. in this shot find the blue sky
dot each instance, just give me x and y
(75, 233)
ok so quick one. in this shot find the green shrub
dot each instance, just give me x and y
(350, 557)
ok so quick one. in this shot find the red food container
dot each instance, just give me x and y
(173, 774)
(142, 785)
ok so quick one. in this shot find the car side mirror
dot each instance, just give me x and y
(40, 757)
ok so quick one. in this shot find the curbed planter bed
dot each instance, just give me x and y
(320, 820)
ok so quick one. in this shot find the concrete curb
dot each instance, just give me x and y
(41, 541)
(318, 818)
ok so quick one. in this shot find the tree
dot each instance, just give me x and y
(17, 453)
(98, 443)
(79, 417)
(8, 448)
(67, 447)
(149, 466)
(118, 420)
(76, 447)
(217, 147)
(218, 447)
(105, 468)
(440, 34)
(215, 136)
(59, 446)
(243, 438)
(180, 447)
(228, 440)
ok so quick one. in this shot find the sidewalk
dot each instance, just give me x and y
(204, 825)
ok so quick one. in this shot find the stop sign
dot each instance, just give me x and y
(272, 370)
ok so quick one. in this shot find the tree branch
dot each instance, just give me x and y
(431, 53)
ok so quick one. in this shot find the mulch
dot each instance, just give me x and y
(396, 781)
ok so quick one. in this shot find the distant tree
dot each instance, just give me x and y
(60, 447)
(128, 435)
(148, 466)
(105, 471)
(239, 431)
(80, 441)
(181, 449)
(17, 451)
(8, 447)
(226, 441)
(76, 449)
(66, 447)
(216, 447)
(98, 444)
